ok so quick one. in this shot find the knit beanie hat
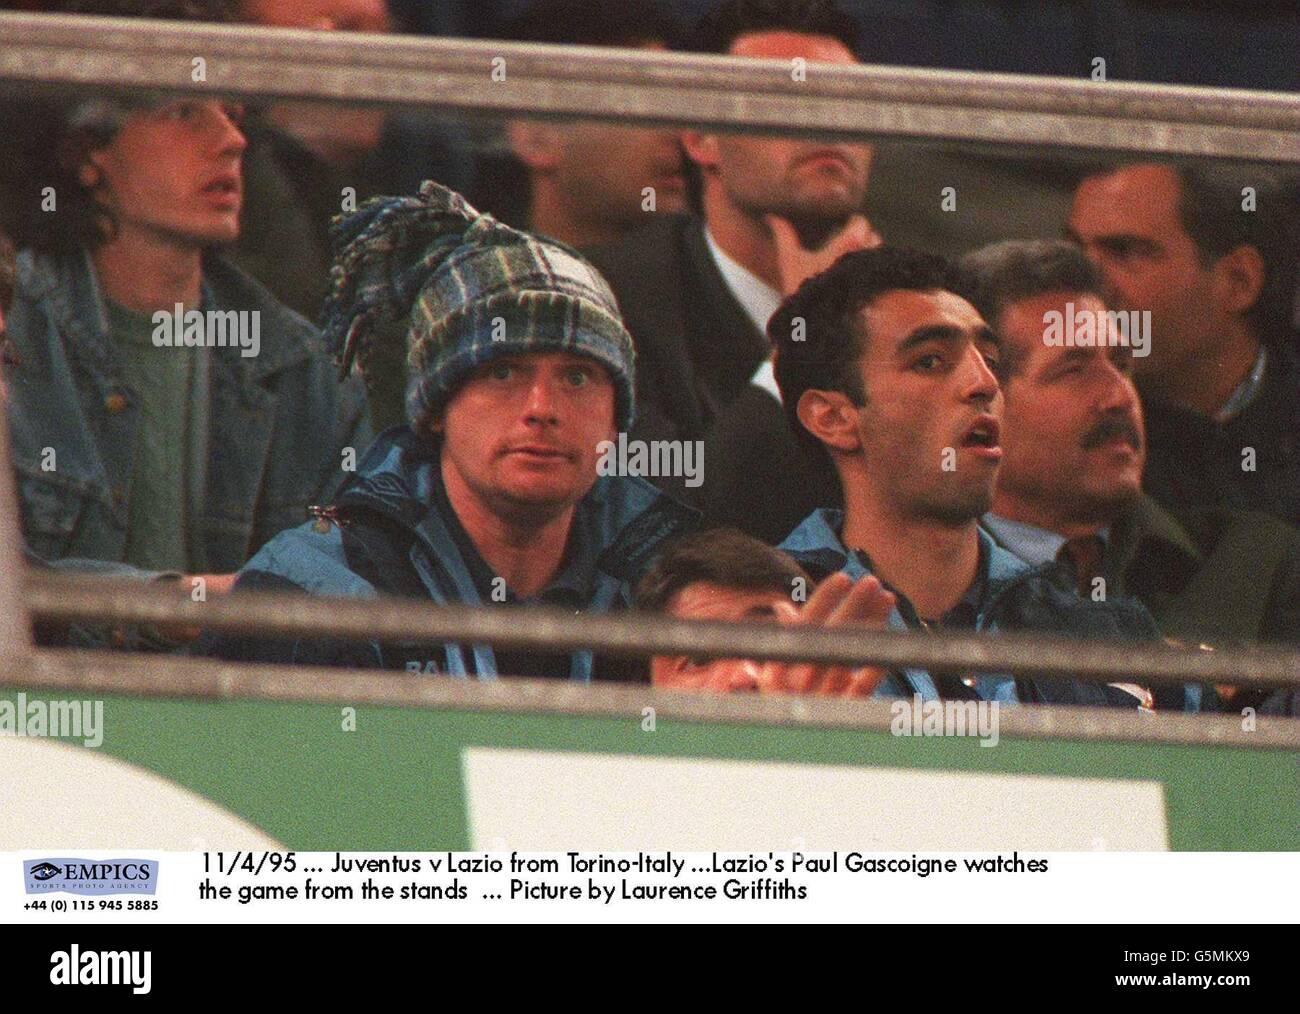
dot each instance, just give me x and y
(461, 289)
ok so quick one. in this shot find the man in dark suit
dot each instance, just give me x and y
(1209, 253)
(696, 291)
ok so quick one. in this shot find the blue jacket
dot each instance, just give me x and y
(386, 533)
(1016, 597)
(276, 423)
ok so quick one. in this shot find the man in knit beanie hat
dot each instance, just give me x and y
(520, 369)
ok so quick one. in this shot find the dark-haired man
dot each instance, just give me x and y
(723, 574)
(166, 413)
(697, 291)
(1069, 489)
(1210, 253)
(893, 377)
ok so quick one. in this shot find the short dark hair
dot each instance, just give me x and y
(818, 332)
(721, 556)
(1210, 207)
(45, 140)
(1211, 213)
(171, 10)
(999, 274)
(718, 29)
(592, 23)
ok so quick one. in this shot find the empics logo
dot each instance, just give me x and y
(84, 876)
(75, 967)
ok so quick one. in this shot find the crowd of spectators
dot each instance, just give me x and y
(1096, 435)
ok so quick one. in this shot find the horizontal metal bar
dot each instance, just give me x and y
(170, 677)
(61, 598)
(490, 77)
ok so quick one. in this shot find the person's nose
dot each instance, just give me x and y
(542, 405)
(740, 675)
(230, 139)
(1118, 393)
(979, 383)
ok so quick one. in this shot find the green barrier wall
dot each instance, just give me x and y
(395, 783)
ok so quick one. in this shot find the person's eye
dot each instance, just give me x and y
(501, 371)
(928, 363)
(578, 376)
(184, 112)
(235, 112)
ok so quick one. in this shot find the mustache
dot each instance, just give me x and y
(1110, 427)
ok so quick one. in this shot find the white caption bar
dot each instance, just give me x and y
(664, 886)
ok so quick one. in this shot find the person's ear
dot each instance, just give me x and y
(90, 168)
(701, 148)
(1238, 279)
(832, 418)
(539, 146)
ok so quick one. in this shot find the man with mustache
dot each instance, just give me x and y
(895, 383)
(1070, 486)
(521, 368)
(697, 290)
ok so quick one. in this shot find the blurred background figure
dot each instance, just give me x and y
(697, 289)
(305, 160)
(1210, 252)
(585, 182)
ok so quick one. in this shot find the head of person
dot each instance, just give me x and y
(339, 135)
(166, 167)
(1209, 250)
(520, 366)
(591, 182)
(1072, 436)
(320, 15)
(885, 369)
(816, 185)
(720, 574)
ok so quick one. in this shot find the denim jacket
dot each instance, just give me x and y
(276, 424)
(1017, 597)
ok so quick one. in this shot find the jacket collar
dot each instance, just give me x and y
(1146, 525)
(68, 285)
(816, 544)
(619, 524)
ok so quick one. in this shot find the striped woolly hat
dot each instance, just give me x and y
(460, 289)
